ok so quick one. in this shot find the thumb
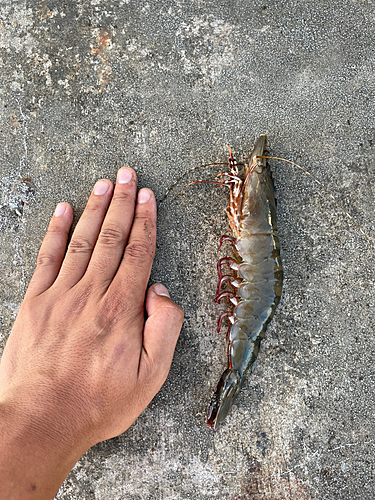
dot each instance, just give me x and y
(161, 332)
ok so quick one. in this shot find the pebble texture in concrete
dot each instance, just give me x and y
(87, 86)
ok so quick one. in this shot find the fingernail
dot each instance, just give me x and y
(60, 209)
(124, 175)
(101, 187)
(144, 195)
(160, 289)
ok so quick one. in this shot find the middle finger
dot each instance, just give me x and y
(114, 233)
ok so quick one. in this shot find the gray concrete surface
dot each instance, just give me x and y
(89, 86)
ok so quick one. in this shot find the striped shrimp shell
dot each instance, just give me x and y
(257, 278)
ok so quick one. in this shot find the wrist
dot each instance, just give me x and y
(36, 454)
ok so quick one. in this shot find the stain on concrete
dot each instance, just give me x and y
(263, 485)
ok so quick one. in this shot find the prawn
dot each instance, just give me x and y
(258, 273)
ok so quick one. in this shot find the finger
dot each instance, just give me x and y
(52, 251)
(135, 267)
(114, 233)
(86, 234)
(161, 332)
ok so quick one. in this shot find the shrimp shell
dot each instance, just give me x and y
(257, 278)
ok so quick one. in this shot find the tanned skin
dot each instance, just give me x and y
(82, 362)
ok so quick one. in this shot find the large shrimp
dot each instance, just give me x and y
(257, 278)
(258, 273)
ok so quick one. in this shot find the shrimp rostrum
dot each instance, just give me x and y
(256, 273)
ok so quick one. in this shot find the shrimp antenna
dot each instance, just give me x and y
(327, 191)
(192, 170)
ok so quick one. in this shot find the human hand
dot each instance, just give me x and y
(81, 362)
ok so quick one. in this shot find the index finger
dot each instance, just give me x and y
(135, 267)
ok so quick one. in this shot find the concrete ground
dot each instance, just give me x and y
(87, 86)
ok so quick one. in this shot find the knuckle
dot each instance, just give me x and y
(82, 297)
(56, 230)
(31, 310)
(120, 197)
(145, 218)
(174, 312)
(138, 250)
(94, 205)
(79, 244)
(115, 308)
(111, 309)
(112, 235)
(45, 259)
